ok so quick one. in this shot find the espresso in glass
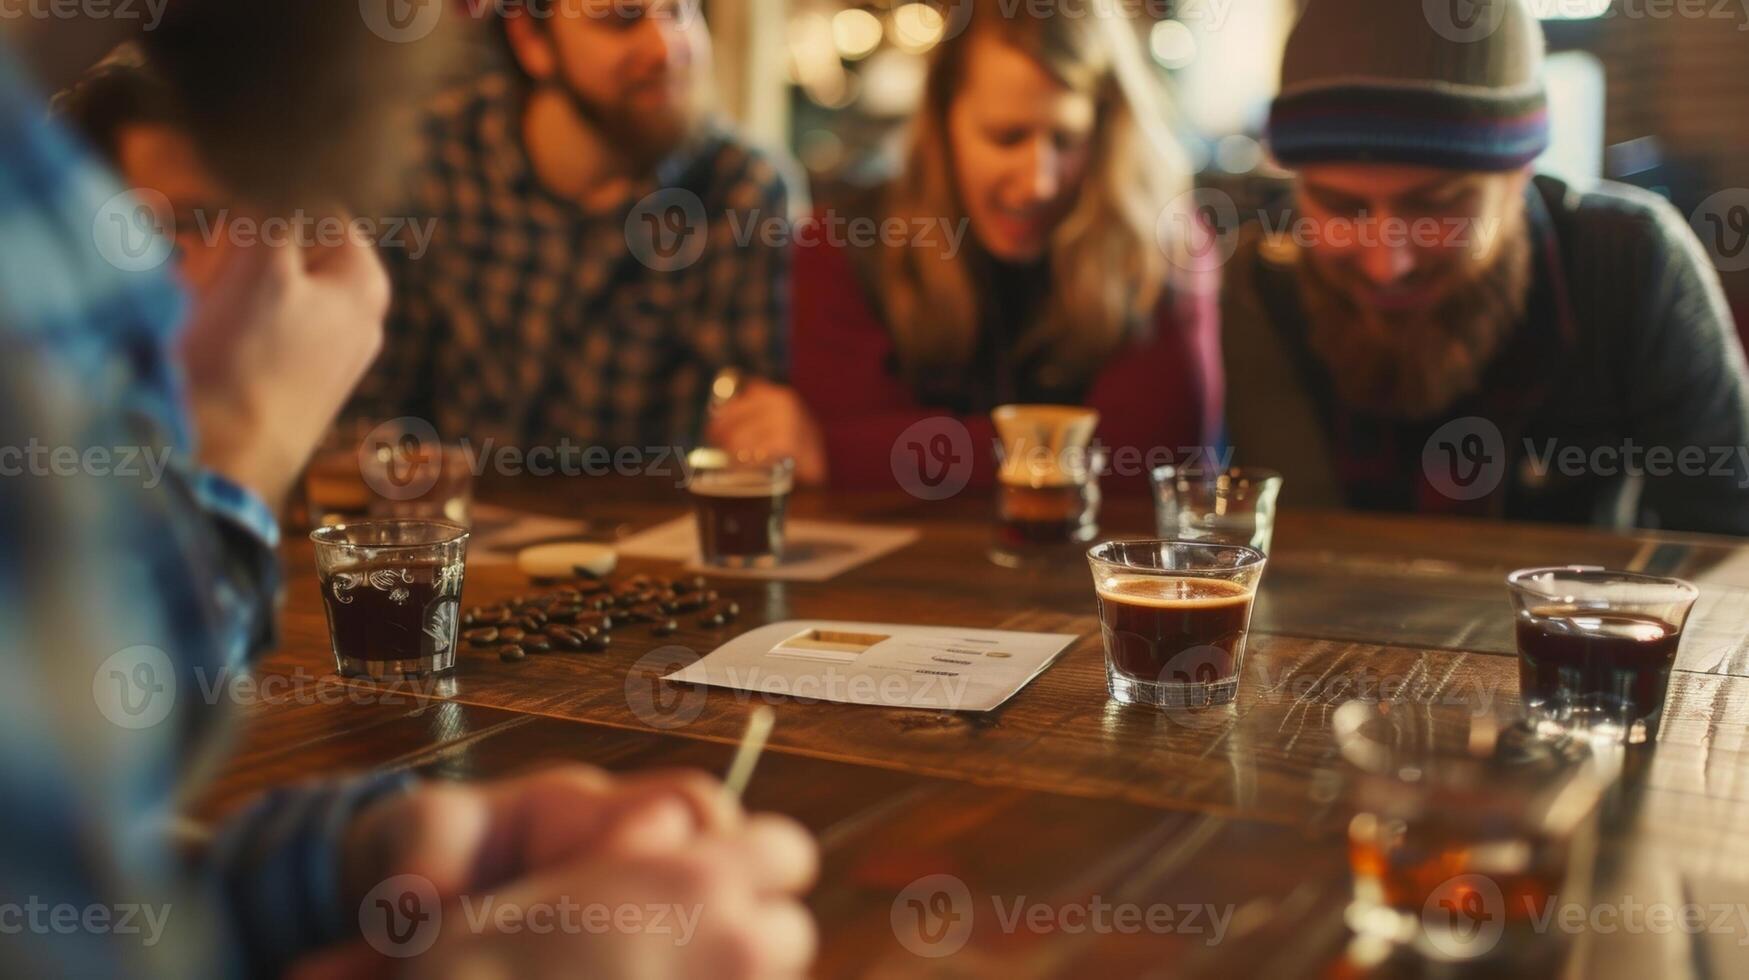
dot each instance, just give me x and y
(1029, 516)
(1174, 617)
(392, 590)
(740, 511)
(1596, 648)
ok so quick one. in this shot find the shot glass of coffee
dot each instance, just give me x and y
(1174, 616)
(1595, 648)
(1047, 483)
(392, 590)
(1467, 831)
(1231, 506)
(740, 508)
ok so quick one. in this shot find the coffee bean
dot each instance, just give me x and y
(511, 654)
(566, 637)
(537, 643)
(730, 609)
(690, 602)
(598, 642)
(485, 636)
(696, 583)
(710, 595)
(491, 616)
(588, 586)
(534, 620)
(646, 613)
(564, 613)
(712, 619)
(666, 627)
(511, 634)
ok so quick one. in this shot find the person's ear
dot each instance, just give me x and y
(532, 47)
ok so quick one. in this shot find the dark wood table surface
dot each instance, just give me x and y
(1062, 798)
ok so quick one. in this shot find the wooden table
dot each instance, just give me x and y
(1062, 798)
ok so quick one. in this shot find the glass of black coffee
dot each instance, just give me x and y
(393, 590)
(740, 508)
(1596, 647)
(1174, 616)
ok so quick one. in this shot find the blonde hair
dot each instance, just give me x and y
(1107, 272)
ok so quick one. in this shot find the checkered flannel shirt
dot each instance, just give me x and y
(530, 320)
(128, 600)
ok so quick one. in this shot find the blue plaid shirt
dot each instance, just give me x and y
(526, 319)
(124, 597)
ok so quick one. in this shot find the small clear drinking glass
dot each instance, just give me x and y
(740, 508)
(1596, 647)
(1174, 616)
(1232, 506)
(1468, 833)
(392, 590)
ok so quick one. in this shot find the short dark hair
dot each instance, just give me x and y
(113, 96)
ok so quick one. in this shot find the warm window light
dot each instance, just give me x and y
(1172, 44)
(856, 32)
(917, 27)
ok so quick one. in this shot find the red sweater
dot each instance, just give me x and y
(1158, 400)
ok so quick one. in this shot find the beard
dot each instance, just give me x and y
(296, 104)
(1413, 366)
(643, 138)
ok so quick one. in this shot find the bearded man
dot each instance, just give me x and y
(149, 434)
(1435, 329)
(599, 256)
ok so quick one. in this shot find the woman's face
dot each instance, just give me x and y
(1020, 144)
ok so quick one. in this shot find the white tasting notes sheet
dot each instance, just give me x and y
(883, 664)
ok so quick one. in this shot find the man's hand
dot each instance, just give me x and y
(280, 336)
(575, 838)
(770, 421)
(465, 837)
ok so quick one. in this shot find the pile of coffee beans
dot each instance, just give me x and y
(580, 615)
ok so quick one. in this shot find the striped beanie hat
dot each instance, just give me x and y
(1455, 84)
